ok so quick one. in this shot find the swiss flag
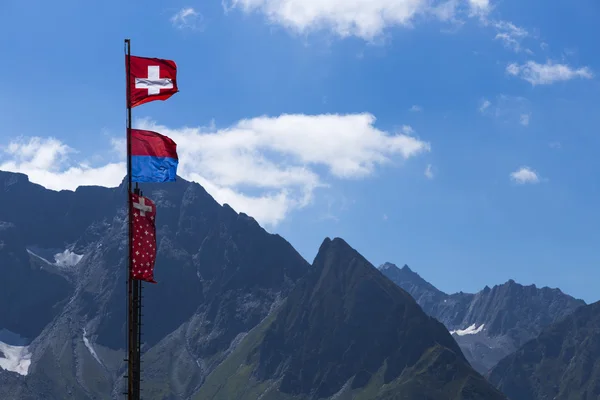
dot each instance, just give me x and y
(143, 232)
(151, 79)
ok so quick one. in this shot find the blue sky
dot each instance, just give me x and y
(321, 118)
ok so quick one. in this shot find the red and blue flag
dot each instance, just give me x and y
(153, 157)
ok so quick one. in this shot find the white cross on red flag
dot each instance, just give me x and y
(143, 232)
(151, 79)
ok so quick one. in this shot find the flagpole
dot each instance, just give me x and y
(127, 264)
(134, 280)
(133, 304)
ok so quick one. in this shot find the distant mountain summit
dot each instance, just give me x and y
(347, 332)
(562, 363)
(492, 323)
(422, 291)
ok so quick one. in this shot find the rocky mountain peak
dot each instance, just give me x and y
(388, 266)
(494, 322)
(343, 328)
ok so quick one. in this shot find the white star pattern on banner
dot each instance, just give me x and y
(143, 252)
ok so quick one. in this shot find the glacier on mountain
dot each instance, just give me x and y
(62, 259)
(14, 357)
(88, 345)
(471, 330)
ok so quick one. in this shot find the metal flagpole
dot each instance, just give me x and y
(133, 287)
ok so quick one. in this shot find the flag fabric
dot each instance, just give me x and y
(153, 157)
(151, 79)
(143, 232)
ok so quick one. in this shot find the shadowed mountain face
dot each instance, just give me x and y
(29, 287)
(63, 254)
(492, 323)
(562, 363)
(347, 332)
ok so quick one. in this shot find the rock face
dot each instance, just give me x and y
(562, 363)
(62, 256)
(347, 332)
(492, 323)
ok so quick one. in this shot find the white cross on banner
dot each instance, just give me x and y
(142, 206)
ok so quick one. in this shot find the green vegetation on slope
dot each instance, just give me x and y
(347, 332)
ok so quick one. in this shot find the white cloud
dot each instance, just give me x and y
(38, 153)
(447, 11)
(485, 104)
(545, 74)
(524, 119)
(279, 160)
(186, 18)
(525, 175)
(429, 171)
(480, 7)
(416, 108)
(366, 19)
(511, 35)
(46, 162)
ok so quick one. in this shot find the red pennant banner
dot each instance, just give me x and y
(143, 232)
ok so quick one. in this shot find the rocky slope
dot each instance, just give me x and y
(347, 332)
(562, 363)
(62, 256)
(492, 323)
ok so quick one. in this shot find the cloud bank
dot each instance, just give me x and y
(364, 19)
(265, 166)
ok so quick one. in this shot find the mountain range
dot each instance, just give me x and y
(227, 291)
(238, 313)
(490, 324)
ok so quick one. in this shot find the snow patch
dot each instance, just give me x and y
(67, 259)
(87, 344)
(14, 357)
(37, 256)
(471, 330)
